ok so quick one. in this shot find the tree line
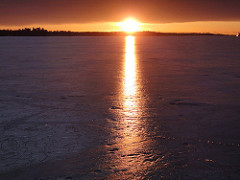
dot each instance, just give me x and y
(43, 32)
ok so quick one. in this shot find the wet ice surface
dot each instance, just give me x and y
(119, 107)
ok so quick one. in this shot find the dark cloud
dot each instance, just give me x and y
(23, 12)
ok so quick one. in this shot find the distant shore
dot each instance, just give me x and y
(44, 32)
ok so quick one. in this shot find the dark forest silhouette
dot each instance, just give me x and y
(43, 32)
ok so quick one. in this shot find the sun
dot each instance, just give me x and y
(130, 25)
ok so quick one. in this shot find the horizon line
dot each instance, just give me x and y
(40, 29)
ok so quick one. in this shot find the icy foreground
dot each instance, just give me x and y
(116, 107)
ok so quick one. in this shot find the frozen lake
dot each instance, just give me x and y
(120, 107)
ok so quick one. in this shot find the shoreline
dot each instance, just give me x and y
(43, 32)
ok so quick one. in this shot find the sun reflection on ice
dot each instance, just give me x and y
(130, 124)
(130, 130)
(129, 84)
(131, 107)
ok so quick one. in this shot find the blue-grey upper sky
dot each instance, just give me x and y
(25, 12)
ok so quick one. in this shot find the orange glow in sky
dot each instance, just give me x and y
(179, 16)
(224, 27)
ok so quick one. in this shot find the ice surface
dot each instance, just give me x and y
(71, 106)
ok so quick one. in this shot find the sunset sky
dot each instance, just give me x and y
(216, 16)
